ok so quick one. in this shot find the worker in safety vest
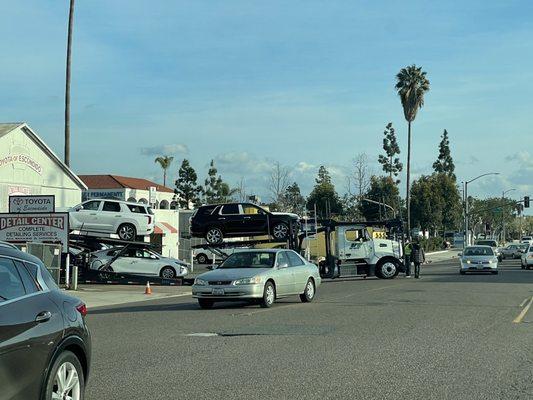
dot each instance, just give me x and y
(407, 255)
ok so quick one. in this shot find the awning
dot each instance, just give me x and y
(163, 228)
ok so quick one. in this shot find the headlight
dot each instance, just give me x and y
(200, 282)
(468, 261)
(248, 281)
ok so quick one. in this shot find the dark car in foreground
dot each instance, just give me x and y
(218, 221)
(45, 346)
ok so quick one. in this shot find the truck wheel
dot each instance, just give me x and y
(386, 269)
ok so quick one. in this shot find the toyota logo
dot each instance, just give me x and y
(18, 202)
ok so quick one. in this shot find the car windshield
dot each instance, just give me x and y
(491, 243)
(250, 259)
(478, 251)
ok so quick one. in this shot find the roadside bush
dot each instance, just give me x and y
(432, 244)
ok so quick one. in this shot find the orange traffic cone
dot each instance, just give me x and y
(148, 289)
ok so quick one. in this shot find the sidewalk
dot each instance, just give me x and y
(443, 255)
(107, 295)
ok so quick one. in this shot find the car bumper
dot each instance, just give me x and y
(228, 292)
(479, 267)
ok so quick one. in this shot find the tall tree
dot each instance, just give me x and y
(187, 190)
(391, 164)
(444, 163)
(382, 190)
(215, 189)
(324, 196)
(67, 82)
(446, 187)
(427, 204)
(164, 162)
(411, 85)
(292, 199)
(278, 182)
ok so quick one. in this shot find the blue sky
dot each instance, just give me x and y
(248, 82)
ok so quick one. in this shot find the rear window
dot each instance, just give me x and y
(204, 211)
(134, 208)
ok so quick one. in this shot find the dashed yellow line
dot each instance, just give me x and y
(524, 311)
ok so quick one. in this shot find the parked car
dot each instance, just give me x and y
(45, 345)
(139, 261)
(527, 239)
(492, 243)
(127, 220)
(258, 276)
(219, 221)
(513, 251)
(478, 258)
(526, 261)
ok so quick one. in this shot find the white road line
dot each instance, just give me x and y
(521, 316)
(524, 302)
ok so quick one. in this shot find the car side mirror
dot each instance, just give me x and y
(79, 208)
(283, 265)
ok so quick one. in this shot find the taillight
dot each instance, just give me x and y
(149, 219)
(82, 309)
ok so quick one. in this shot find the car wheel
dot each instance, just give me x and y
(462, 272)
(386, 270)
(127, 232)
(309, 294)
(167, 273)
(280, 231)
(201, 258)
(214, 235)
(205, 303)
(66, 380)
(269, 295)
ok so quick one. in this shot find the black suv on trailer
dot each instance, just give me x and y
(45, 346)
(218, 221)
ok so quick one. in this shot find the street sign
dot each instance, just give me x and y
(152, 195)
(32, 204)
(40, 228)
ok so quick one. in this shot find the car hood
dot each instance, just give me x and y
(232, 274)
(292, 215)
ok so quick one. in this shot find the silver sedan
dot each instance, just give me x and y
(478, 259)
(258, 275)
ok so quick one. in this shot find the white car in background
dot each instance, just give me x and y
(139, 262)
(526, 261)
(527, 239)
(127, 220)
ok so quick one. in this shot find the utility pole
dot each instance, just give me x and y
(503, 215)
(67, 84)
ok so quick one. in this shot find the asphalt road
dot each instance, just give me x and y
(444, 336)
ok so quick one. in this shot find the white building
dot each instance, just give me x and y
(29, 167)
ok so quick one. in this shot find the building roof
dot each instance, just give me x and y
(5, 128)
(120, 182)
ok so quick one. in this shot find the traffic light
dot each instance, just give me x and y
(526, 201)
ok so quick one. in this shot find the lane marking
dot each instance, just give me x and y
(524, 302)
(522, 314)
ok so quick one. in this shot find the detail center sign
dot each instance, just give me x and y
(41, 228)
(31, 204)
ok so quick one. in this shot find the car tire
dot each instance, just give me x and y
(280, 231)
(205, 304)
(167, 272)
(386, 269)
(214, 235)
(202, 258)
(309, 293)
(127, 232)
(67, 363)
(269, 295)
(462, 272)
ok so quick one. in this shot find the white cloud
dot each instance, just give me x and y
(242, 163)
(165, 149)
(303, 166)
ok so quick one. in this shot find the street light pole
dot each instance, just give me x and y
(467, 241)
(503, 216)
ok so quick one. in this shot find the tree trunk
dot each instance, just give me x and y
(164, 177)
(67, 84)
(408, 191)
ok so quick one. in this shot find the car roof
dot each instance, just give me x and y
(120, 201)
(21, 255)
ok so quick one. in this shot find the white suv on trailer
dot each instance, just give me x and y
(127, 220)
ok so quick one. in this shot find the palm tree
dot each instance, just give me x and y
(412, 85)
(67, 84)
(165, 162)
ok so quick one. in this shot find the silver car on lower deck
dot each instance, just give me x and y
(258, 275)
(478, 259)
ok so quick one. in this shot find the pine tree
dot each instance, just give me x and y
(292, 199)
(324, 196)
(187, 190)
(444, 163)
(215, 189)
(390, 163)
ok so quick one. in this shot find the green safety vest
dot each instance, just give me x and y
(408, 249)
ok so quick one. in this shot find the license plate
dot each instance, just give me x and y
(218, 292)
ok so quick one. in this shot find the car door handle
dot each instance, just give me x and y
(43, 316)
(247, 217)
(221, 218)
